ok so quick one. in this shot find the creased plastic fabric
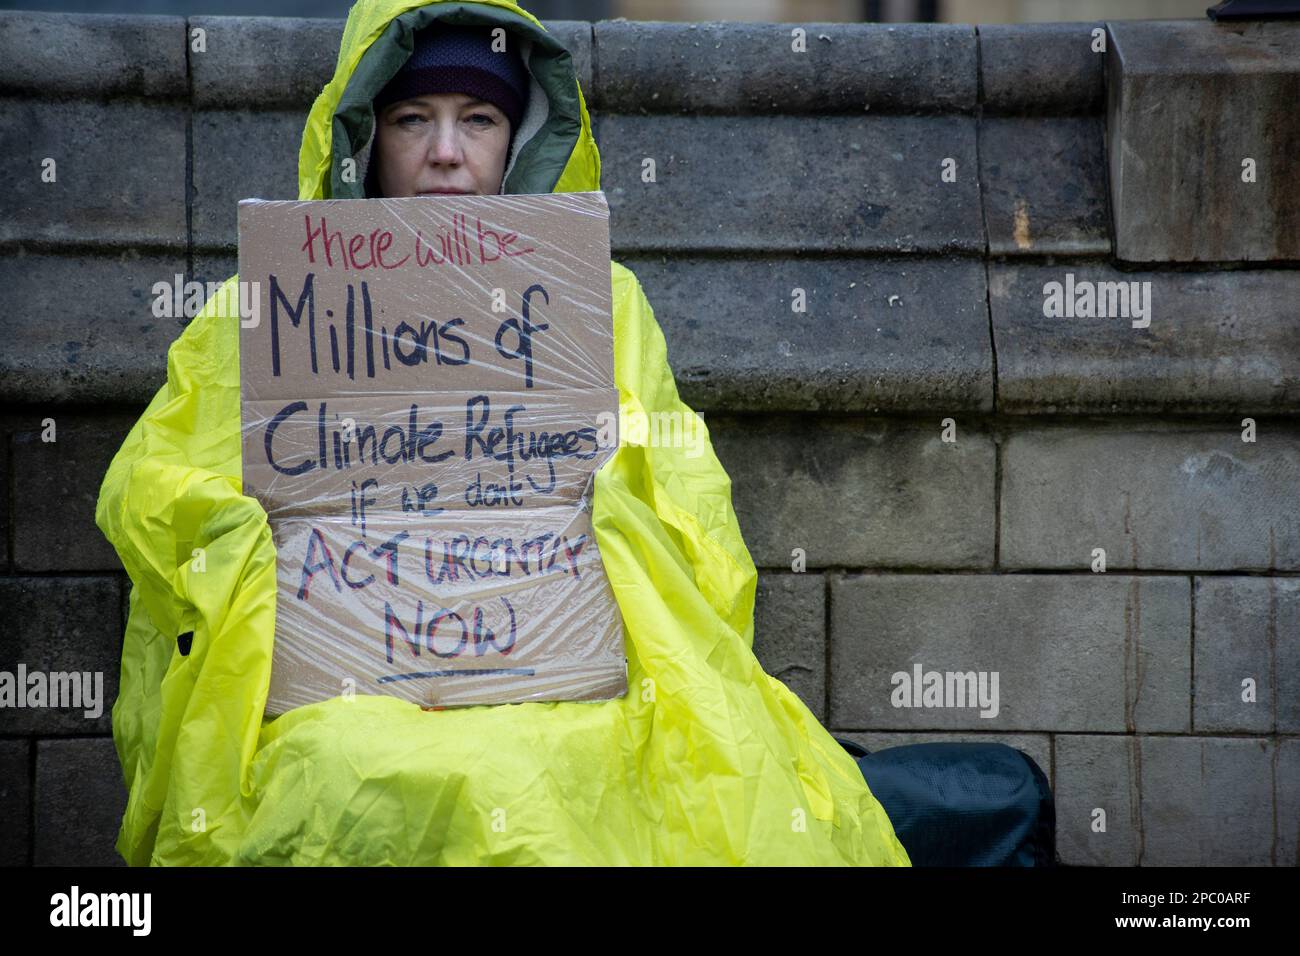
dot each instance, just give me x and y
(706, 760)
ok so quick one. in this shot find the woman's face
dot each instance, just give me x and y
(441, 142)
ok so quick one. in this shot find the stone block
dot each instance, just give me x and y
(266, 63)
(59, 55)
(791, 183)
(1041, 68)
(56, 487)
(1081, 653)
(80, 799)
(760, 68)
(873, 335)
(1207, 801)
(118, 167)
(1247, 628)
(1153, 497)
(108, 346)
(15, 802)
(1195, 108)
(62, 626)
(859, 493)
(241, 154)
(1213, 342)
(790, 634)
(1098, 804)
(1044, 185)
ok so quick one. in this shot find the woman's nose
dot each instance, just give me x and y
(445, 148)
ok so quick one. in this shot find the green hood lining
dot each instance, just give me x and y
(540, 161)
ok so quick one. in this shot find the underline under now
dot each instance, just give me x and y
(519, 671)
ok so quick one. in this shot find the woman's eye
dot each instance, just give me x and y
(487, 120)
(401, 120)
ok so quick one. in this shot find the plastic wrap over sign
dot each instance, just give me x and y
(427, 391)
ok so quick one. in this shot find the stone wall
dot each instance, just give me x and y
(940, 457)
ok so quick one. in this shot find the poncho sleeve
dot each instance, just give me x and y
(201, 561)
(691, 492)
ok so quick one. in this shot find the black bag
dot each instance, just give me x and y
(963, 804)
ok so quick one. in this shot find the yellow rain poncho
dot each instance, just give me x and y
(706, 760)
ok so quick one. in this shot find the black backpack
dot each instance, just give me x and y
(963, 804)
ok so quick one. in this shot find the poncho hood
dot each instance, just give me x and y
(553, 149)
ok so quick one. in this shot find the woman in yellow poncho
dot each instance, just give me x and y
(706, 759)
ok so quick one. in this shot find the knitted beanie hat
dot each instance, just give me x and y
(459, 59)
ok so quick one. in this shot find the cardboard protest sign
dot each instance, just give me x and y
(427, 391)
